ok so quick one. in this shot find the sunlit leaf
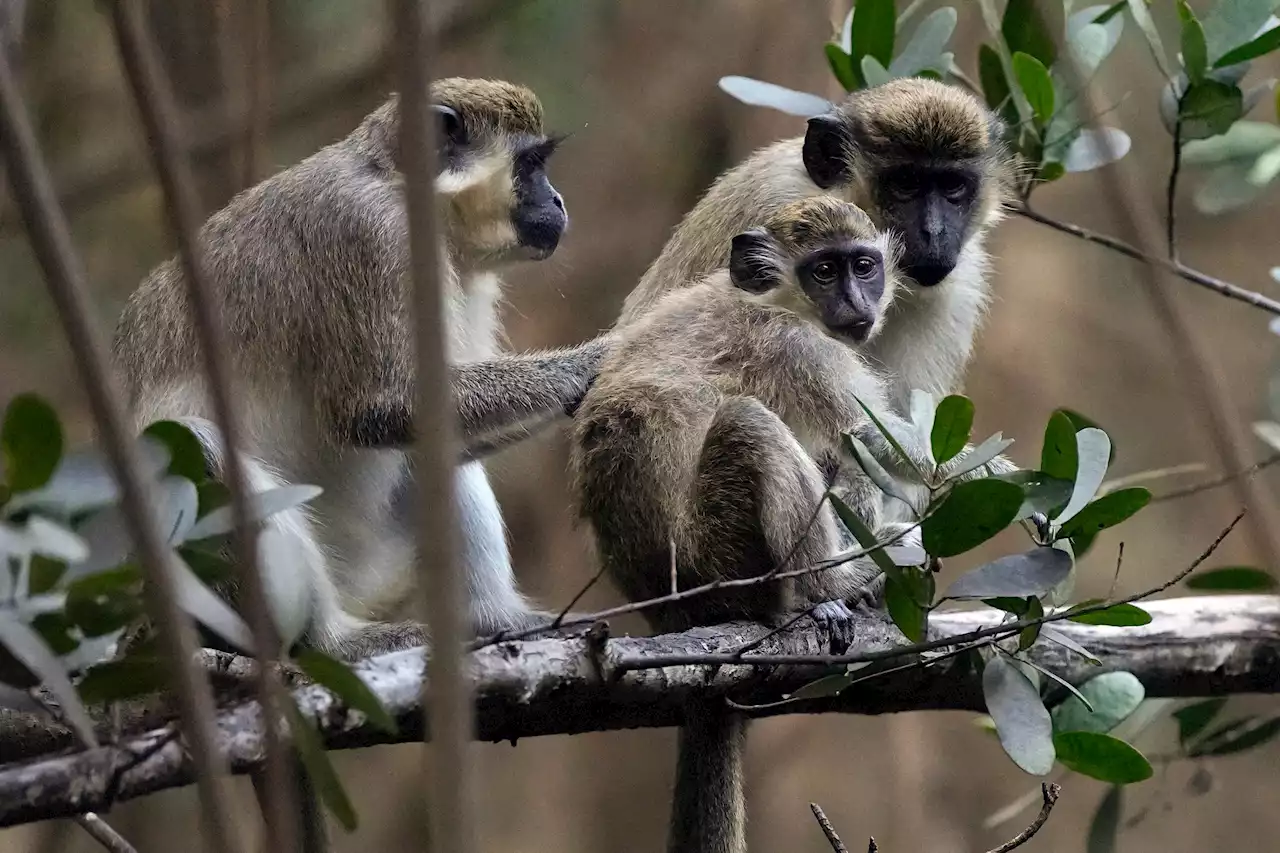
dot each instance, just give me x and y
(1112, 695)
(874, 470)
(1041, 493)
(261, 505)
(873, 73)
(206, 607)
(339, 678)
(1017, 576)
(970, 514)
(1233, 579)
(1102, 757)
(1022, 723)
(1093, 449)
(1094, 148)
(1231, 23)
(925, 47)
(306, 740)
(973, 459)
(952, 425)
(107, 531)
(1195, 718)
(1225, 188)
(84, 480)
(1105, 826)
(27, 646)
(1118, 615)
(53, 540)
(287, 581)
(761, 94)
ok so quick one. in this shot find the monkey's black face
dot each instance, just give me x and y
(845, 284)
(931, 207)
(539, 216)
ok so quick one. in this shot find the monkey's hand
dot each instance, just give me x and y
(592, 354)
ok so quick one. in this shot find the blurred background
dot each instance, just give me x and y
(635, 85)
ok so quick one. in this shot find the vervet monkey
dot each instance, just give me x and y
(309, 268)
(923, 159)
(704, 432)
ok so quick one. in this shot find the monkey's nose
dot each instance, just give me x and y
(929, 273)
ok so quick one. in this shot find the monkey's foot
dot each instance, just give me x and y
(836, 617)
(871, 595)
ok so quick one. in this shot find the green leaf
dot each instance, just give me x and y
(1107, 511)
(347, 686)
(1027, 636)
(1113, 696)
(1058, 455)
(1022, 723)
(27, 646)
(970, 514)
(55, 629)
(1036, 84)
(1084, 422)
(995, 86)
(906, 613)
(1233, 579)
(905, 458)
(977, 457)
(118, 680)
(1105, 826)
(43, 574)
(1093, 449)
(186, 454)
(1193, 719)
(829, 685)
(1209, 108)
(220, 522)
(874, 470)
(842, 67)
(952, 425)
(319, 770)
(105, 601)
(1262, 45)
(1050, 172)
(1053, 635)
(873, 72)
(1142, 17)
(925, 47)
(1111, 12)
(1041, 493)
(1102, 757)
(1231, 23)
(761, 94)
(212, 568)
(1017, 576)
(1194, 53)
(861, 532)
(1024, 30)
(1118, 615)
(1237, 737)
(30, 442)
(874, 24)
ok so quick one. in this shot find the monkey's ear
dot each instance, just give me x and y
(826, 150)
(751, 262)
(452, 129)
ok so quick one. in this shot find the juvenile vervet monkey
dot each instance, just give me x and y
(705, 429)
(309, 268)
(923, 159)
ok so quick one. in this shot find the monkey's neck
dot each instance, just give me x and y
(475, 325)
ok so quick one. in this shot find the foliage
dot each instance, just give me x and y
(73, 586)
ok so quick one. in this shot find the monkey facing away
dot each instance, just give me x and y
(309, 268)
(705, 431)
(924, 159)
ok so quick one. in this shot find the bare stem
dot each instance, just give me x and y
(1050, 792)
(827, 829)
(104, 834)
(1219, 481)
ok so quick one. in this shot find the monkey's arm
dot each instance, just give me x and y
(506, 399)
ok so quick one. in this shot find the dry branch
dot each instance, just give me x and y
(1193, 647)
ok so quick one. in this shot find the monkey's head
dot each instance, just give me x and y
(926, 159)
(823, 259)
(498, 202)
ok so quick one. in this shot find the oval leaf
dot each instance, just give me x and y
(927, 43)
(1106, 511)
(30, 442)
(343, 682)
(1034, 80)
(995, 87)
(1118, 615)
(1209, 108)
(1233, 579)
(1245, 140)
(1024, 30)
(1234, 22)
(841, 66)
(1041, 493)
(286, 571)
(978, 456)
(906, 613)
(1195, 57)
(761, 94)
(1093, 449)
(1113, 695)
(872, 31)
(1095, 148)
(952, 425)
(1058, 454)
(186, 453)
(971, 513)
(1142, 17)
(1102, 757)
(861, 532)
(1022, 723)
(1016, 576)
(874, 470)
(206, 607)
(873, 73)
(262, 505)
(829, 685)
(27, 646)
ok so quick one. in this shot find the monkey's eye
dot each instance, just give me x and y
(825, 272)
(904, 185)
(954, 188)
(863, 266)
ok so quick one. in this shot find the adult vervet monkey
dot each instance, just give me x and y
(309, 268)
(923, 159)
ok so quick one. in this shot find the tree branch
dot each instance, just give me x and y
(1193, 647)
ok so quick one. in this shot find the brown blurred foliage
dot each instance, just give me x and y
(635, 84)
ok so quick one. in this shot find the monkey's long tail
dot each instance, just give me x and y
(708, 809)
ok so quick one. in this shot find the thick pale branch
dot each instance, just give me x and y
(1193, 647)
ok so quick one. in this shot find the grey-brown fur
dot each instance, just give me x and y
(928, 337)
(308, 268)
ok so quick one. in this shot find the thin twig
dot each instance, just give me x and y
(1217, 285)
(104, 834)
(1171, 194)
(827, 829)
(1006, 629)
(1219, 481)
(448, 701)
(1050, 792)
(560, 617)
(1115, 578)
(64, 273)
(159, 115)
